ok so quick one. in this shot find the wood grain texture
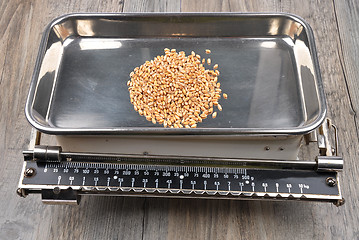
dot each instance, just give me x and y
(347, 20)
(336, 34)
(152, 6)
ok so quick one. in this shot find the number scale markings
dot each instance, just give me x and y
(177, 179)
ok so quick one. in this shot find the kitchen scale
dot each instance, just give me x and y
(275, 107)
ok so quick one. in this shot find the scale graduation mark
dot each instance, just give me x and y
(209, 179)
(120, 180)
(241, 186)
(108, 181)
(265, 185)
(145, 180)
(133, 182)
(289, 186)
(301, 186)
(71, 179)
(193, 183)
(169, 183)
(217, 185)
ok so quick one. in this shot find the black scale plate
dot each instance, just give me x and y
(152, 179)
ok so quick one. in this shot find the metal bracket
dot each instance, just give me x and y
(329, 164)
(42, 154)
(311, 137)
(47, 153)
(325, 148)
(60, 197)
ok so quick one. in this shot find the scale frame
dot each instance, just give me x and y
(62, 178)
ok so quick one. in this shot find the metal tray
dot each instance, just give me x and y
(268, 66)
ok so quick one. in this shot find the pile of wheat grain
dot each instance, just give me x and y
(176, 90)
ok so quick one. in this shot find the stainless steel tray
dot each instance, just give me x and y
(268, 65)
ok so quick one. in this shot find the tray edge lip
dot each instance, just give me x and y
(300, 130)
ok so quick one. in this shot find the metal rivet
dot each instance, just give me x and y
(29, 172)
(333, 150)
(20, 192)
(331, 181)
(340, 202)
(267, 148)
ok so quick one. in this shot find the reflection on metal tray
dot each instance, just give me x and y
(267, 61)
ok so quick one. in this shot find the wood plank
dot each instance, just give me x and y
(21, 25)
(152, 6)
(347, 18)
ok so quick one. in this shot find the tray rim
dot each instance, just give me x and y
(300, 130)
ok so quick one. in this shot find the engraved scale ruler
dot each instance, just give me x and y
(195, 181)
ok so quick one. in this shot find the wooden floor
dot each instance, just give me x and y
(335, 25)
